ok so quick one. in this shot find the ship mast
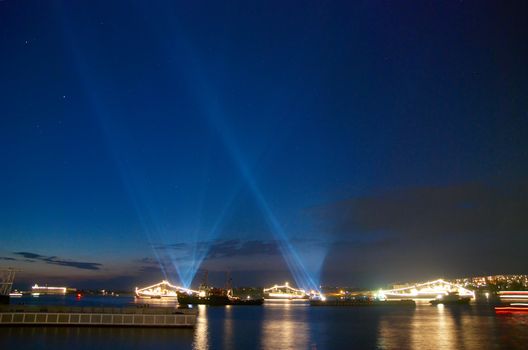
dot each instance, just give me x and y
(229, 284)
(204, 285)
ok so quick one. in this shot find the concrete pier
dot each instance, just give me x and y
(23, 315)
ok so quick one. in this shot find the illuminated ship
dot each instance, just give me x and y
(162, 290)
(285, 292)
(428, 290)
(513, 303)
(40, 290)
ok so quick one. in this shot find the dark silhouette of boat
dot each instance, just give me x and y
(247, 301)
(207, 298)
(451, 299)
(215, 296)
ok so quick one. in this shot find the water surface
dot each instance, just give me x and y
(287, 325)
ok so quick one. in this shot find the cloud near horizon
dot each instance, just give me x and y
(221, 248)
(420, 232)
(222, 255)
(53, 260)
(7, 258)
(471, 208)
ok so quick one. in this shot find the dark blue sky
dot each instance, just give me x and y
(344, 140)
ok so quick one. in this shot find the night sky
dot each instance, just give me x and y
(353, 143)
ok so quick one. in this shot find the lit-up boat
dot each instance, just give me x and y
(163, 290)
(41, 290)
(513, 303)
(427, 290)
(285, 292)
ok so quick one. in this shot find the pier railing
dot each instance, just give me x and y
(97, 316)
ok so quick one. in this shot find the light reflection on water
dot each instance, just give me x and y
(441, 327)
(228, 328)
(288, 331)
(435, 332)
(201, 331)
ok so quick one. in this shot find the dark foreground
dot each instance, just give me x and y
(290, 325)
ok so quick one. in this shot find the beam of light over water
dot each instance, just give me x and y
(195, 247)
(209, 103)
(302, 276)
(174, 265)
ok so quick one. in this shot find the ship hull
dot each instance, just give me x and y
(285, 297)
(157, 297)
(216, 300)
(206, 300)
(362, 303)
(247, 301)
(462, 301)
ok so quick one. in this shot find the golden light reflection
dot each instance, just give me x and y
(228, 328)
(436, 327)
(432, 328)
(201, 333)
(284, 328)
(391, 337)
